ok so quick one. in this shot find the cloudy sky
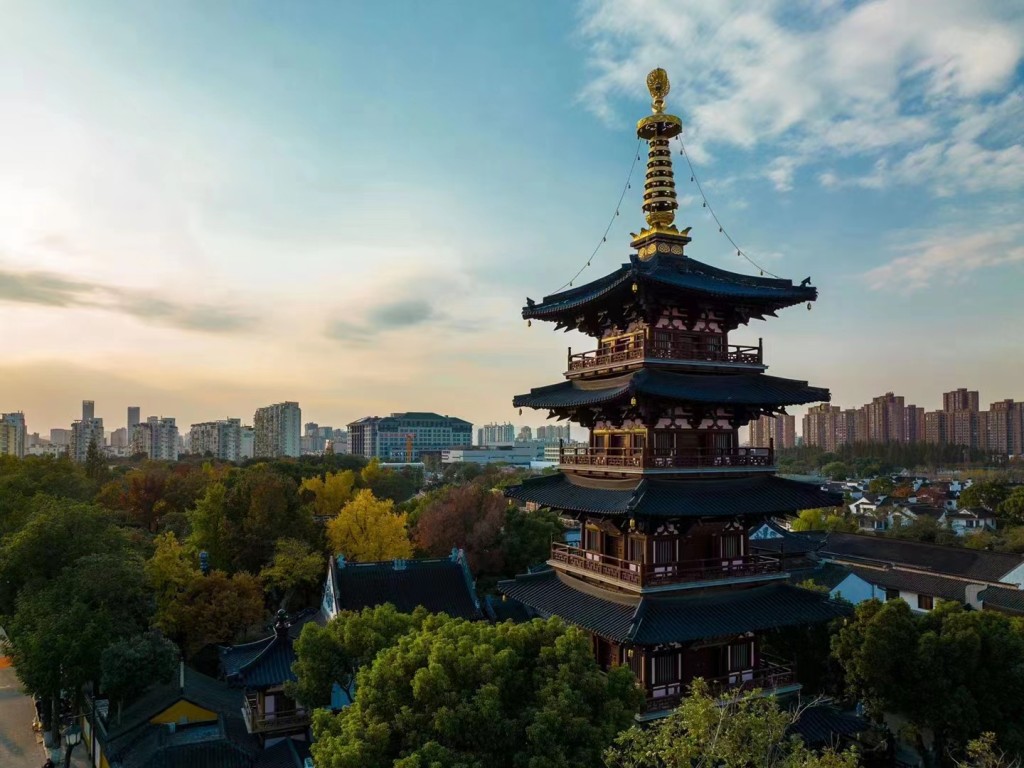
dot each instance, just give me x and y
(206, 207)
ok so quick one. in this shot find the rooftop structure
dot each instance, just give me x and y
(664, 579)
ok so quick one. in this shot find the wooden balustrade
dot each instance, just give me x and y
(650, 458)
(668, 345)
(258, 721)
(657, 574)
(766, 676)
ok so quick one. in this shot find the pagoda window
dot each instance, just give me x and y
(665, 669)
(741, 656)
(634, 659)
(591, 540)
(731, 545)
(635, 549)
(665, 550)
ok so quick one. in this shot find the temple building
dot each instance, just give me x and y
(664, 579)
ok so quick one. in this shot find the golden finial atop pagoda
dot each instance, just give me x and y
(660, 203)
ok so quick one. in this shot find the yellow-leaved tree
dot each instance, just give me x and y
(331, 492)
(368, 529)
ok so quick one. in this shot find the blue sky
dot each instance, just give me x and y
(205, 207)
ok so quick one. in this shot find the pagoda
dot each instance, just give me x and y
(664, 579)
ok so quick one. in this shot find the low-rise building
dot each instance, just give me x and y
(518, 455)
(407, 436)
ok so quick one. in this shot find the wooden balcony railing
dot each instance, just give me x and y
(667, 345)
(651, 458)
(767, 676)
(658, 574)
(258, 721)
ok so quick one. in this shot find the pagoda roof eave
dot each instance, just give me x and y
(755, 389)
(682, 275)
(758, 495)
(656, 620)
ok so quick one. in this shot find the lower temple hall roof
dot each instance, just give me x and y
(754, 389)
(654, 620)
(757, 495)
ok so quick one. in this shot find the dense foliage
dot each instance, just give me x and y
(476, 695)
(954, 671)
(729, 732)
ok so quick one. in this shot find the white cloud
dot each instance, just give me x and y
(947, 258)
(881, 80)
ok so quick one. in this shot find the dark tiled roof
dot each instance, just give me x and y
(290, 753)
(790, 543)
(756, 495)
(651, 620)
(913, 581)
(440, 585)
(739, 388)
(262, 664)
(826, 574)
(201, 690)
(201, 745)
(956, 561)
(1004, 599)
(822, 725)
(679, 276)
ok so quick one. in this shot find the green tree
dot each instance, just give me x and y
(21, 480)
(130, 666)
(826, 519)
(96, 468)
(883, 486)
(57, 534)
(471, 694)
(390, 484)
(1011, 509)
(368, 529)
(335, 652)
(295, 574)
(210, 530)
(739, 731)
(988, 494)
(60, 629)
(953, 671)
(526, 538)
(836, 470)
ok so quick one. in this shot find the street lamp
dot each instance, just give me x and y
(72, 736)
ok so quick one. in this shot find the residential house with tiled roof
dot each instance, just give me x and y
(192, 721)
(665, 579)
(922, 573)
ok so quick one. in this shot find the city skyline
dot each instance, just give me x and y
(198, 283)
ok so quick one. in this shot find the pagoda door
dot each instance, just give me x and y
(614, 546)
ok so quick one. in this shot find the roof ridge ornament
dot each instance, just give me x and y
(659, 206)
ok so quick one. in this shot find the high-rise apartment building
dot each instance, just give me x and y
(133, 417)
(12, 434)
(157, 438)
(913, 424)
(496, 434)
(88, 410)
(776, 431)
(248, 443)
(84, 433)
(525, 434)
(407, 436)
(554, 432)
(820, 426)
(220, 439)
(886, 419)
(960, 400)
(120, 439)
(1006, 428)
(278, 430)
(936, 427)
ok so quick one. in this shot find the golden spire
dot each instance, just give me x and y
(658, 129)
